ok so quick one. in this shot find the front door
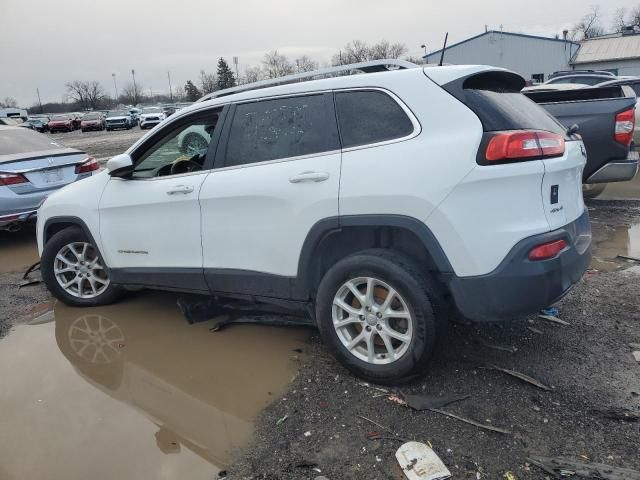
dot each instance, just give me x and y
(278, 175)
(150, 222)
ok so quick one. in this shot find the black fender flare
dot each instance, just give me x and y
(331, 225)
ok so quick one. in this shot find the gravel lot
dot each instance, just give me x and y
(588, 366)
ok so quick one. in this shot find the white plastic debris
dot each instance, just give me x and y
(419, 462)
(636, 355)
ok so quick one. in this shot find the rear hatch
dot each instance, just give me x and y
(30, 162)
(518, 131)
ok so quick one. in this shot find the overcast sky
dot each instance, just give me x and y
(47, 43)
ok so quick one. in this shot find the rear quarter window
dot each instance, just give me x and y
(496, 99)
(370, 116)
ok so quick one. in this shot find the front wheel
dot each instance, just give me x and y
(74, 272)
(379, 314)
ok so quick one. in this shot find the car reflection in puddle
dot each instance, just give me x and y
(199, 392)
(202, 389)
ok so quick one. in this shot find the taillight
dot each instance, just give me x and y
(11, 179)
(524, 144)
(89, 165)
(625, 123)
(547, 250)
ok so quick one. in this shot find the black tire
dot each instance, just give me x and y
(51, 249)
(421, 295)
(593, 190)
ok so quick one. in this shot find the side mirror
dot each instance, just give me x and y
(120, 165)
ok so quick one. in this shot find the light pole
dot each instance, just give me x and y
(39, 101)
(115, 87)
(135, 87)
(170, 89)
(235, 62)
(425, 52)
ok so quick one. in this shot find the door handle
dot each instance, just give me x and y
(183, 189)
(309, 177)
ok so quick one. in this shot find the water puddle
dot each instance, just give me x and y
(622, 190)
(18, 250)
(133, 391)
(611, 242)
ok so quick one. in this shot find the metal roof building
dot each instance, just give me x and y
(531, 56)
(618, 53)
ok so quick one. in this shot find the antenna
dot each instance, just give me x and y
(443, 49)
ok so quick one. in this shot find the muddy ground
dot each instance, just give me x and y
(174, 400)
(101, 145)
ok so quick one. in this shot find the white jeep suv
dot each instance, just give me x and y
(378, 203)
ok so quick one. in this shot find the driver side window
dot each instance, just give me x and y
(181, 150)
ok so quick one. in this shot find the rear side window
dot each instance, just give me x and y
(496, 99)
(281, 128)
(370, 116)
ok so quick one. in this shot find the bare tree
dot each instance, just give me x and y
(131, 93)
(305, 64)
(589, 26)
(178, 93)
(619, 20)
(384, 49)
(358, 51)
(276, 65)
(8, 102)
(77, 92)
(252, 74)
(634, 16)
(208, 82)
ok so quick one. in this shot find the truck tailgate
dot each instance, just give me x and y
(595, 116)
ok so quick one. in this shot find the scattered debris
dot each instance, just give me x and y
(509, 476)
(501, 348)
(307, 434)
(535, 330)
(553, 319)
(26, 281)
(419, 462)
(471, 422)
(282, 420)
(521, 376)
(623, 414)
(567, 467)
(395, 398)
(552, 311)
(376, 424)
(634, 346)
(422, 402)
(379, 389)
(636, 355)
(631, 259)
(306, 464)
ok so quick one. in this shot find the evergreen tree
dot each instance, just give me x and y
(226, 79)
(192, 91)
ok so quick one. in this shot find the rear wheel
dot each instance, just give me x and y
(593, 190)
(74, 272)
(377, 312)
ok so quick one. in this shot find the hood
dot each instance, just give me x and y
(60, 121)
(122, 117)
(145, 115)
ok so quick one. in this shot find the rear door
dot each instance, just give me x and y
(278, 175)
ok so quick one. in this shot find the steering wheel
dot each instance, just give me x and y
(185, 166)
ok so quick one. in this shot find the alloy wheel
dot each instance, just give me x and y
(372, 320)
(78, 270)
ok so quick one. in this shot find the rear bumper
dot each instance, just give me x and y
(520, 286)
(616, 171)
(17, 217)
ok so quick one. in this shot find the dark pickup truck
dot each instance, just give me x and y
(605, 117)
